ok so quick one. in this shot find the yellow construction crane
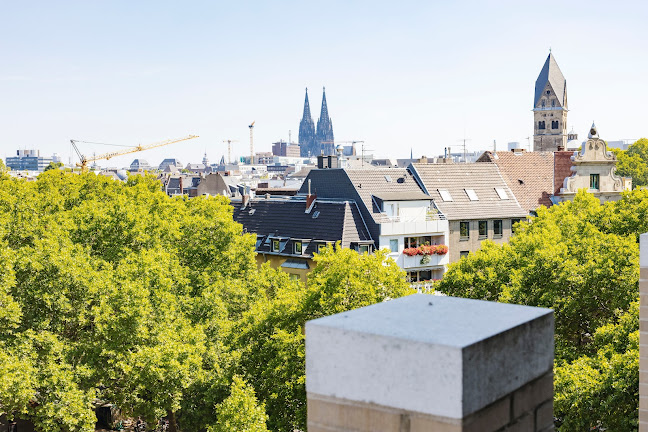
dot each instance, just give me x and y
(84, 160)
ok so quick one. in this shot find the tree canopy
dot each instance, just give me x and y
(634, 162)
(114, 292)
(579, 258)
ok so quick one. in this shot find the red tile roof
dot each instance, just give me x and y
(528, 174)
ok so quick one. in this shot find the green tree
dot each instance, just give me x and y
(634, 162)
(240, 411)
(602, 390)
(54, 166)
(270, 336)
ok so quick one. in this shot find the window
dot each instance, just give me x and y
(544, 103)
(554, 124)
(388, 179)
(298, 248)
(472, 196)
(393, 245)
(275, 245)
(464, 230)
(483, 229)
(595, 181)
(497, 228)
(363, 249)
(553, 103)
(513, 222)
(294, 276)
(548, 92)
(445, 195)
(463, 254)
(320, 247)
(501, 192)
(541, 125)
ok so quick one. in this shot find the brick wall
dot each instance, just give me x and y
(528, 409)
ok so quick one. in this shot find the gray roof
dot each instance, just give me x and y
(363, 184)
(551, 74)
(328, 221)
(483, 178)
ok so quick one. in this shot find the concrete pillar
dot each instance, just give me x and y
(643, 333)
(430, 363)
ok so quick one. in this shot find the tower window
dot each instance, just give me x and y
(553, 103)
(541, 125)
(544, 103)
(548, 92)
(554, 124)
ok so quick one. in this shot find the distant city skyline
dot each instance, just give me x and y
(416, 75)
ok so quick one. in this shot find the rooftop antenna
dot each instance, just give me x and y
(464, 147)
(363, 153)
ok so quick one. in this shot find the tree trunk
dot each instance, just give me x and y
(172, 421)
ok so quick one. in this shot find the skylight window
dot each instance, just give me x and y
(502, 193)
(388, 179)
(315, 214)
(445, 195)
(472, 196)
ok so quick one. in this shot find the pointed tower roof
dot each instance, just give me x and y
(307, 112)
(551, 74)
(324, 113)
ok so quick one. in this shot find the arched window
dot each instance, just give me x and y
(554, 124)
(541, 125)
(553, 102)
(544, 103)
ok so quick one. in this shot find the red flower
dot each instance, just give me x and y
(412, 251)
(441, 250)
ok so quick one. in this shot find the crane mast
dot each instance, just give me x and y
(252, 142)
(84, 160)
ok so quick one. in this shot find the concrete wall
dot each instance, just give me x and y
(429, 363)
(643, 334)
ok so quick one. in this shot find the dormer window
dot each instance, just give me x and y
(275, 245)
(363, 248)
(298, 248)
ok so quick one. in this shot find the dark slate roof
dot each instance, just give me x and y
(528, 174)
(364, 184)
(327, 222)
(551, 74)
(483, 178)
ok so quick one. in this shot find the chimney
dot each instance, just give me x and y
(310, 198)
(181, 188)
(245, 199)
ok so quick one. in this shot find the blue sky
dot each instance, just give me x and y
(399, 75)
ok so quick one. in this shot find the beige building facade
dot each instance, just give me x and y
(593, 169)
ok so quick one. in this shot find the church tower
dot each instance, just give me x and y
(324, 134)
(307, 142)
(550, 108)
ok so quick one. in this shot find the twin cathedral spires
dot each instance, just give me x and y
(315, 141)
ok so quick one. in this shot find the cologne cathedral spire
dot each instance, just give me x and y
(324, 135)
(307, 132)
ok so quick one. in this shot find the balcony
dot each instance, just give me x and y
(411, 262)
(428, 225)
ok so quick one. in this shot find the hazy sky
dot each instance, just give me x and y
(398, 75)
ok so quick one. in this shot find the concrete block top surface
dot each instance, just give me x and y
(443, 356)
(438, 320)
